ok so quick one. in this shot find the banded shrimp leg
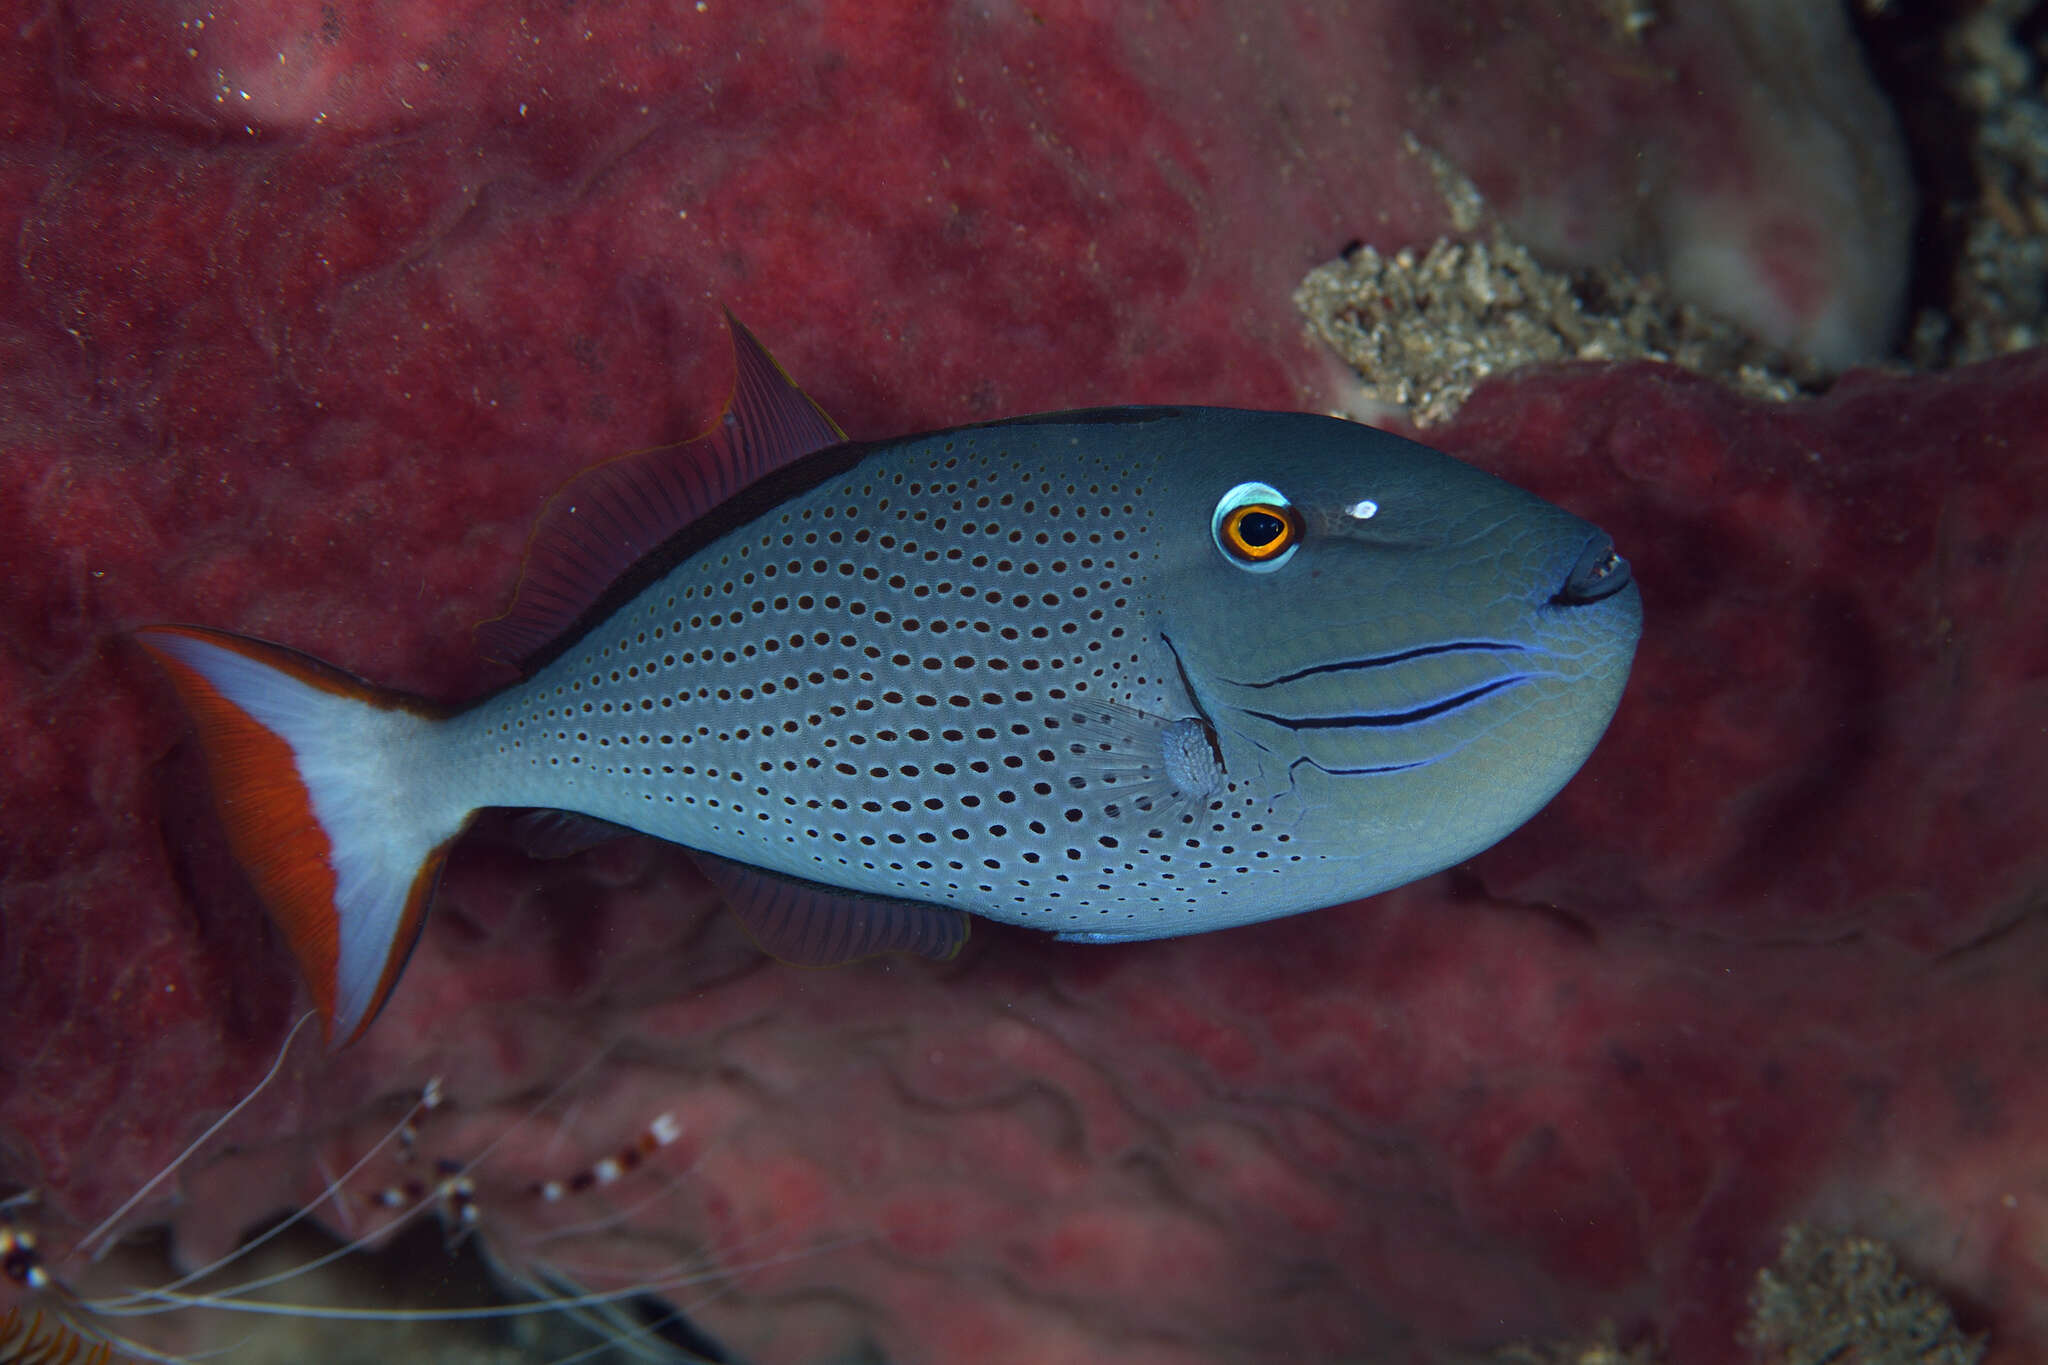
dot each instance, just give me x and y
(642, 1236)
(515, 1200)
(55, 1318)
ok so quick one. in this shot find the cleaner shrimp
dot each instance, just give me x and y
(537, 1233)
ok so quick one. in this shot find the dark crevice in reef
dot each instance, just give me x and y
(1966, 81)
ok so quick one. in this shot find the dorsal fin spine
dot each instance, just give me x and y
(610, 517)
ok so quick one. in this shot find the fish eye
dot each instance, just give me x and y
(1256, 527)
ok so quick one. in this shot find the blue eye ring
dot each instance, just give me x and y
(1255, 527)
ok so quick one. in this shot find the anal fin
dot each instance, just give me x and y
(809, 924)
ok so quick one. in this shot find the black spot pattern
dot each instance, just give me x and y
(933, 676)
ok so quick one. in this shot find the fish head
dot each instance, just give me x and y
(1420, 654)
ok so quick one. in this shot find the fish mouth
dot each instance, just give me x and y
(1599, 574)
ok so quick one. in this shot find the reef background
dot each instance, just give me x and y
(308, 310)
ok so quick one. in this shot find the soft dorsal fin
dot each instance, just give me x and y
(807, 924)
(609, 517)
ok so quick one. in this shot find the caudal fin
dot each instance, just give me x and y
(329, 795)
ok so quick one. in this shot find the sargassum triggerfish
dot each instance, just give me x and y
(1122, 673)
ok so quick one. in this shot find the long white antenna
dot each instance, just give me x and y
(107, 1225)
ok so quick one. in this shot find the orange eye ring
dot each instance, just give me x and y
(1257, 532)
(1255, 527)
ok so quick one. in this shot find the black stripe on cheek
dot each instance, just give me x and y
(1382, 660)
(1361, 772)
(1389, 718)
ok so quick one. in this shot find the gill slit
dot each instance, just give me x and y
(1201, 711)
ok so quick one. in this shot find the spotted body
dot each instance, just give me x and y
(1119, 674)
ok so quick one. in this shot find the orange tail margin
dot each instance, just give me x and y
(292, 746)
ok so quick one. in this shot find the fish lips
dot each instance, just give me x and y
(1599, 573)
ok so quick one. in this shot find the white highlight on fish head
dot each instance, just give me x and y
(1365, 509)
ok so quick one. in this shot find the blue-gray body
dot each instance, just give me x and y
(1013, 669)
